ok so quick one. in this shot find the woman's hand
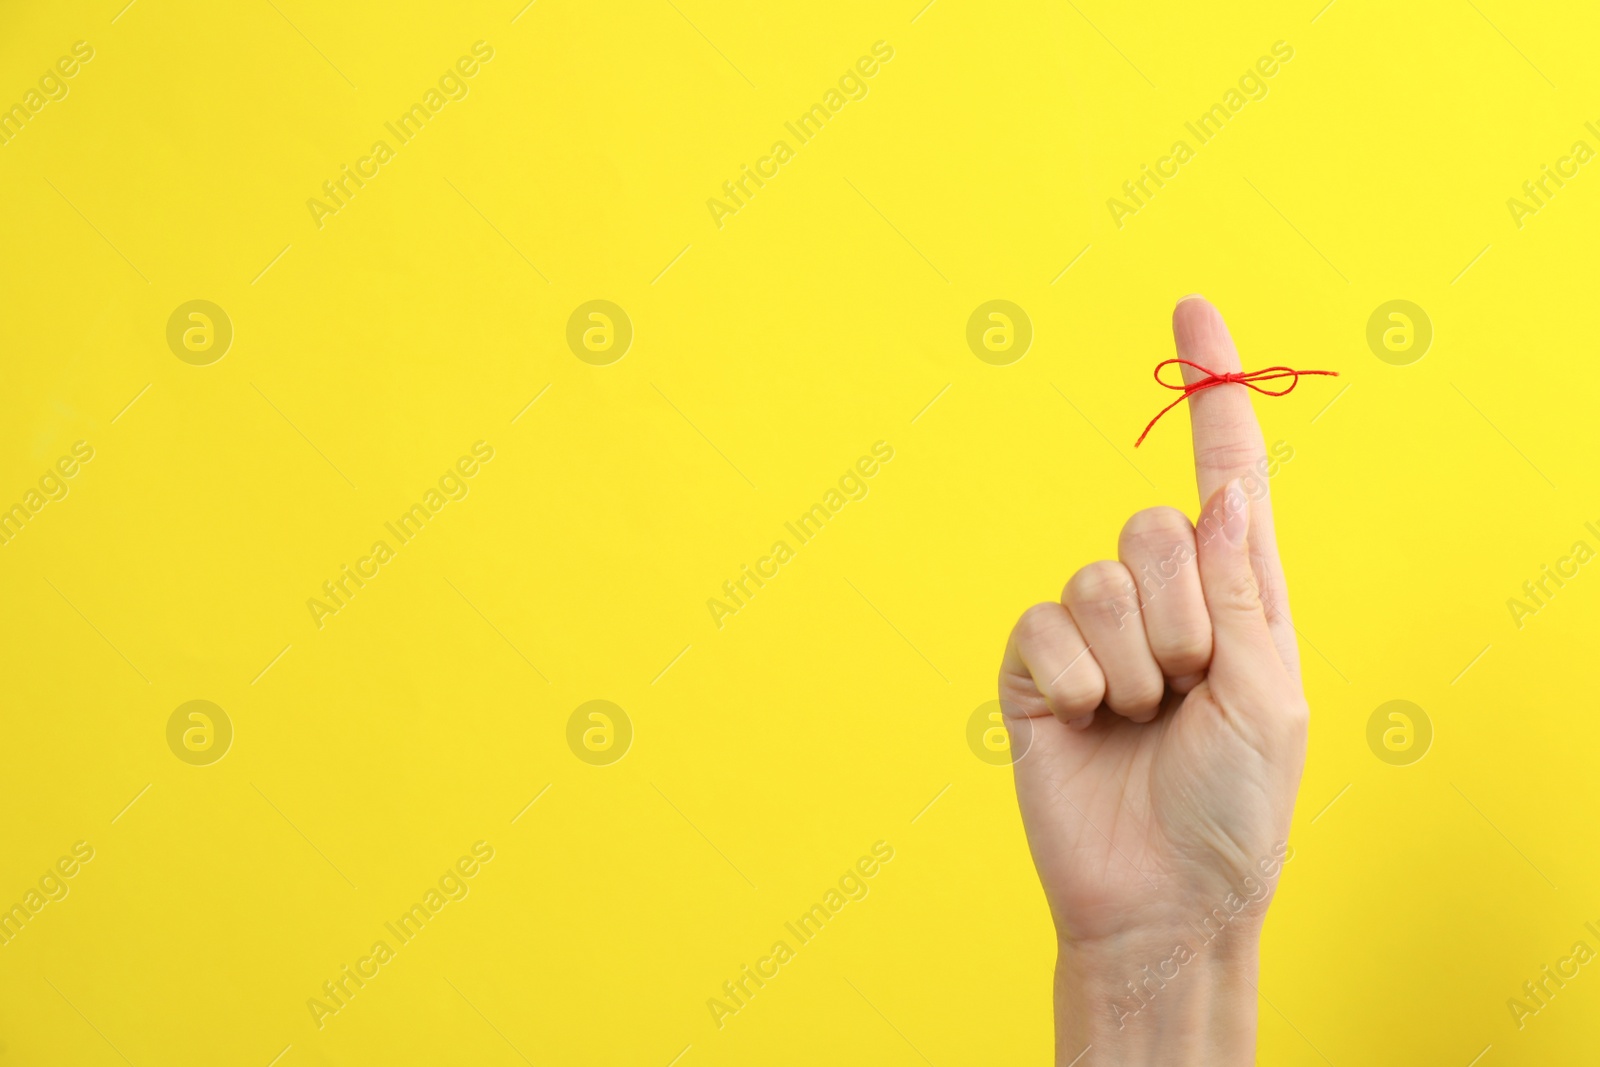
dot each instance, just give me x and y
(1162, 728)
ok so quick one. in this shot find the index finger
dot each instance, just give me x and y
(1227, 439)
(1228, 445)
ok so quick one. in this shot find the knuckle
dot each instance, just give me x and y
(1237, 590)
(1105, 584)
(1074, 693)
(1138, 696)
(1290, 725)
(1155, 531)
(1038, 623)
(1273, 599)
(1183, 647)
(1235, 453)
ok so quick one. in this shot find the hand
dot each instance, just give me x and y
(1162, 727)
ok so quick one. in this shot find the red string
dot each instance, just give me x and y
(1211, 378)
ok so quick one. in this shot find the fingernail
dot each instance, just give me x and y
(1191, 296)
(1082, 722)
(1235, 512)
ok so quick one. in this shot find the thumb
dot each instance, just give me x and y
(1244, 662)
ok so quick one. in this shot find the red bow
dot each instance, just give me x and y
(1249, 378)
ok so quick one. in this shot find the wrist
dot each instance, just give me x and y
(1177, 996)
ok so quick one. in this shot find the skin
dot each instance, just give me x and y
(1163, 731)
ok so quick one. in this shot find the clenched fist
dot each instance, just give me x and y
(1159, 711)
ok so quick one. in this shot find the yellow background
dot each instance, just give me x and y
(768, 355)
